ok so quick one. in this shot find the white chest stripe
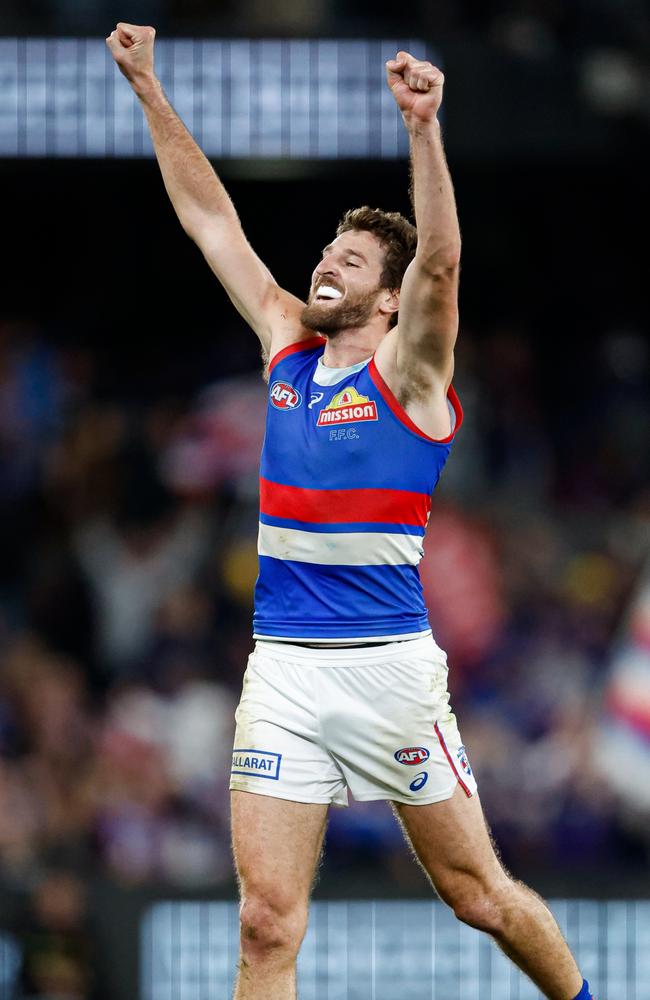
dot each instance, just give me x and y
(332, 376)
(350, 548)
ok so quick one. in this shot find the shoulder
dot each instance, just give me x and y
(310, 342)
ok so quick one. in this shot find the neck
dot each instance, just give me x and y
(349, 347)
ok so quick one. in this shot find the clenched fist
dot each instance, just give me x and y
(416, 86)
(131, 46)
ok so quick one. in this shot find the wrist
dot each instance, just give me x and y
(418, 128)
(145, 85)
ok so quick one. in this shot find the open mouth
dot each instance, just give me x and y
(326, 293)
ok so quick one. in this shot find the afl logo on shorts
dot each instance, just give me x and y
(284, 396)
(412, 755)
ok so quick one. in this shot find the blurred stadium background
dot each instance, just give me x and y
(131, 415)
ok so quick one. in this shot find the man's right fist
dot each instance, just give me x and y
(131, 46)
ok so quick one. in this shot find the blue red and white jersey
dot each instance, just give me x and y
(345, 495)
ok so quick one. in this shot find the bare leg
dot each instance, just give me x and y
(277, 845)
(452, 843)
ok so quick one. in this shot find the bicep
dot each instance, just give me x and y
(269, 310)
(428, 318)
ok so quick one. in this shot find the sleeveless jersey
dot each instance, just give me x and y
(345, 495)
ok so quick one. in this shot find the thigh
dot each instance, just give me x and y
(452, 842)
(276, 844)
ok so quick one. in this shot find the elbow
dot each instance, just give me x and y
(192, 222)
(441, 263)
(188, 223)
(200, 229)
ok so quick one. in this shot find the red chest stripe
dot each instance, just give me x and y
(344, 506)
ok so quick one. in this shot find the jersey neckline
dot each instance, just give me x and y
(325, 376)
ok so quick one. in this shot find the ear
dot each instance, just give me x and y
(389, 301)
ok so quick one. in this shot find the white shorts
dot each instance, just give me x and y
(312, 723)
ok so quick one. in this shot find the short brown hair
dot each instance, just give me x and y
(395, 233)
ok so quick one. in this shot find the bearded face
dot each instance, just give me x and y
(345, 284)
(330, 313)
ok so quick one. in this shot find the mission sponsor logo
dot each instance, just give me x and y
(346, 407)
(256, 763)
(284, 396)
(411, 755)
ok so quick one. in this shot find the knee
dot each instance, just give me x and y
(482, 906)
(271, 927)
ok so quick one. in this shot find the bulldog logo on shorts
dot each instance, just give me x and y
(463, 761)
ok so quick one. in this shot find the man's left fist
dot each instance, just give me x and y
(416, 86)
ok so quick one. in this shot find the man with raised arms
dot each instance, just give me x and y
(346, 689)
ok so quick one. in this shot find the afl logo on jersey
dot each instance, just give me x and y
(411, 755)
(284, 396)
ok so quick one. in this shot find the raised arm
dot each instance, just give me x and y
(201, 201)
(421, 356)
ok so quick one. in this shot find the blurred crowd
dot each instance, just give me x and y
(128, 537)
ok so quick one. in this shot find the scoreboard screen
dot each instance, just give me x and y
(408, 948)
(240, 98)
